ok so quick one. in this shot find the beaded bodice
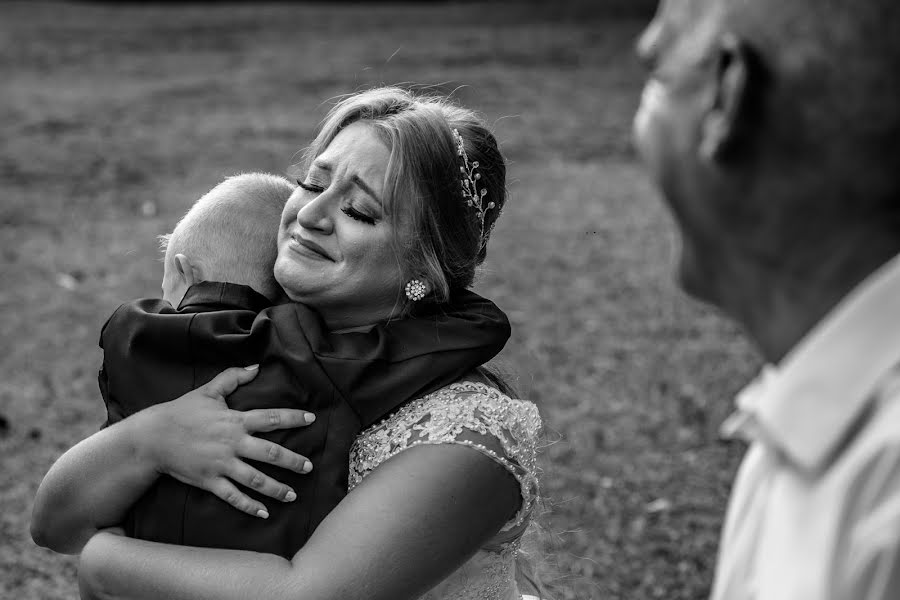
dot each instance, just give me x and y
(502, 428)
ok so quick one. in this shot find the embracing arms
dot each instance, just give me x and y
(408, 525)
(405, 527)
(122, 461)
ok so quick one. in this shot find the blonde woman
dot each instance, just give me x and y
(443, 489)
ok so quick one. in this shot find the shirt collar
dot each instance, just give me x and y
(219, 295)
(806, 406)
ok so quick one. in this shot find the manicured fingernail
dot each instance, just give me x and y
(290, 496)
(262, 514)
(309, 417)
(251, 368)
(307, 467)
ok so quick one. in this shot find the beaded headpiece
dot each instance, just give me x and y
(473, 195)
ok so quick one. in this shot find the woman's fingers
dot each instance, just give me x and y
(242, 473)
(269, 452)
(228, 380)
(205, 443)
(226, 491)
(270, 419)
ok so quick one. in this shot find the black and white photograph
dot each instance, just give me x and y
(450, 300)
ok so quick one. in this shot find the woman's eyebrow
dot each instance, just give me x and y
(322, 166)
(356, 179)
(365, 187)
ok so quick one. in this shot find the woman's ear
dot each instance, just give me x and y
(188, 272)
(730, 112)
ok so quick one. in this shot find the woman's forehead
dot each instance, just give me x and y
(357, 147)
(356, 153)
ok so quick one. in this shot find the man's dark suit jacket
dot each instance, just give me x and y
(154, 353)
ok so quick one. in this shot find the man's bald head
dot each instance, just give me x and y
(771, 126)
(833, 77)
(833, 63)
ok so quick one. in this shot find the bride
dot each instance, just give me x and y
(442, 490)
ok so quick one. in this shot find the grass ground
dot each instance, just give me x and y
(113, 119)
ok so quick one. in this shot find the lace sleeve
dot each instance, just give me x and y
(471, 414)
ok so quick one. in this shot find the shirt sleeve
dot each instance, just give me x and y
(114, 410)
(141, 342)
(470, 414)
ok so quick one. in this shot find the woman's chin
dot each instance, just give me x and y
(288, 274)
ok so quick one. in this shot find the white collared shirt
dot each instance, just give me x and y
(815, 509)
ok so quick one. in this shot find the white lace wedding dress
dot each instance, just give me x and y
(481, 417)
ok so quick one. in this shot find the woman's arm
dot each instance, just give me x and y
(407, 526)
(195, 438)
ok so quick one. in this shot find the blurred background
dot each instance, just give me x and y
(116, 117)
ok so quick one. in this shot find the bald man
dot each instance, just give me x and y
(772, 128)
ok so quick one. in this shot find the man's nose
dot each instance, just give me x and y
(647, 47)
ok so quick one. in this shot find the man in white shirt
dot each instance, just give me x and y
(772, 128)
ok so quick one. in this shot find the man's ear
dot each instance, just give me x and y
(730, 113)
(187, 271)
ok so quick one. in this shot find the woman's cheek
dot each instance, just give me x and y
(288, 215)
(292, 207)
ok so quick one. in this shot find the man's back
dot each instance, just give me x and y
(153, 353)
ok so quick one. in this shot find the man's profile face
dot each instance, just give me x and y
(667, 125)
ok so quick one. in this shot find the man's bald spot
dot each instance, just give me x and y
(833, 83)
(846, 50)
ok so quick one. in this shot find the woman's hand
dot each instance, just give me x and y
(200, 441)
(195, 438)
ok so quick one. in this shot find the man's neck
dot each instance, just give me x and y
(778, 304)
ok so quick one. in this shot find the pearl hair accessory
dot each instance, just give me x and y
(415, 290)
(473, 196)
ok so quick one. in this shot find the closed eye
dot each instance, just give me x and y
(315, 189)
(356, 215)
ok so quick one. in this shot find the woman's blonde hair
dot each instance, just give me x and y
(423, 188)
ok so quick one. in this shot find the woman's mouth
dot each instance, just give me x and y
(308, 248)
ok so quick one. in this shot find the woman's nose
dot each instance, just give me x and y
(315, 214)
